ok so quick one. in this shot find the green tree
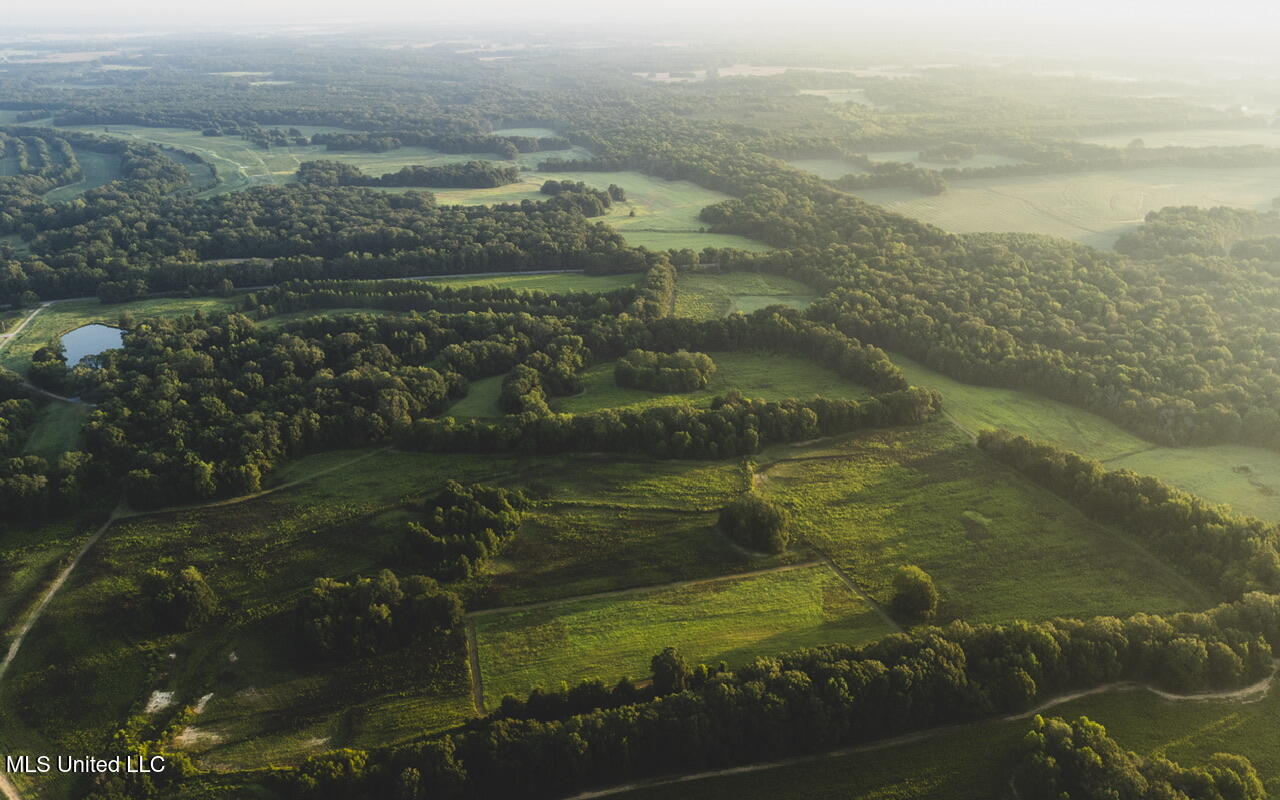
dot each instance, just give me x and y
(914, 595)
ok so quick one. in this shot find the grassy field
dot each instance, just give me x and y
(666, 212)
(269, 702)
(730, 620)
(98, 169)
(1089, 207)
(770, 376)
(999, 547)
(1194, 137)
(549, 282)
(1245, 478)
(57, 319)
(705, 295)
(58, 429)
(481, 399)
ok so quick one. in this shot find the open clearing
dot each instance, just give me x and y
(706, 295)
(58, 429)
(1089, 207)
(1245, 478)
(730, 620)
(666, 212)
(998, 547)
(770, 376)
(546, 282)
(98, 169)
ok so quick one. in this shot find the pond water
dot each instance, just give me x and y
(90, 340)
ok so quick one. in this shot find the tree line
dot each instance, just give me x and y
(467, 175)
(808, 701)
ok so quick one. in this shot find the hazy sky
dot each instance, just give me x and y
(1083, 20)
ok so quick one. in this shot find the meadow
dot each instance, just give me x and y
(770, 376)
(1194, 137)
(544, 282)
(731, 620)
(58, 429)
(98, 169)
(1093, 208)
(1245, 478)
(708, 295)
(998, 547)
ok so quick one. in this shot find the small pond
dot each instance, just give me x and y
(90, 340)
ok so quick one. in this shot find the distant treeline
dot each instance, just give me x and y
(468, 175)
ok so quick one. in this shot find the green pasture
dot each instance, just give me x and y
(98, 169)
(999, 547)
(770, 376)
(58, 429)
(731, 620)
(1245, 478)
(1089, 207)
(707, 295)
(1194, 137)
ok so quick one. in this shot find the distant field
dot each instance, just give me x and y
(999, 547)
(549, 282)
(705, 295)
(666, 212)
(1089, 207)
(58, 429)
(537, 133)
(827, 168)
(1195, 137)
(858, 96)
(1245, 478)
(765, 375)
(730, 620)
(98, 168)
(240, 164)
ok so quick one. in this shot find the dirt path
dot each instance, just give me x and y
(857, 589)
(656, 587)
(6, 338)
(473, 659)
(1248, 694)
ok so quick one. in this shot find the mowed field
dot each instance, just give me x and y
(545, 282)
(706, 295)
(998, 547)
(1245, 478)
(98, 169)
(1089, 207)
(731, 620)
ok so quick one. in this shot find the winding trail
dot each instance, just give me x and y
(1248, 694)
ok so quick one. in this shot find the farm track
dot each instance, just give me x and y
(473, 665)
(857, 589)
(1248, 694)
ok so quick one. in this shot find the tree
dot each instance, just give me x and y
(914, 595)
(671, 672)
(755, 523)
(182, 601)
